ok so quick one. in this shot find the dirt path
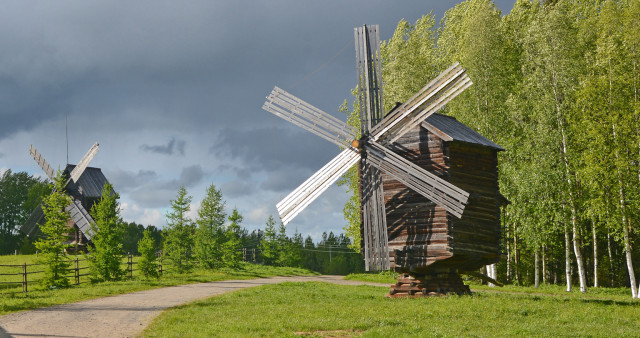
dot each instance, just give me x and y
(128, 314)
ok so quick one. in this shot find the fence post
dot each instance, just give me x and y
(254, 254)
(24, 278)
(130, 261)
(77, 270)
(160, 265)
(244, 254)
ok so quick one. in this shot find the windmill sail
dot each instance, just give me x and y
(436, 189)
(84, 163)
(42, 163)
(315, 185)
(81, 218)
(304, 115)
(369, 66)
(427, 101)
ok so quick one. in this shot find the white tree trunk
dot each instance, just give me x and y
(536, 270)
(567, 257)
(595, 255)
(491, 272)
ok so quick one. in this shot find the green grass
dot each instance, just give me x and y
(38, 297)
(321, 309)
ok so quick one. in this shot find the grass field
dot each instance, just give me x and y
(320, 309)
(38, 297)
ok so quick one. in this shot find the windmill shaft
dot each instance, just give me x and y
(306, 116)
(315, 185)
(376, 243)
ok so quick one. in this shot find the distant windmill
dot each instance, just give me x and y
(381, 151)
(84, 185)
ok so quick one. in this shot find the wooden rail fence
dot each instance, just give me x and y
(24, 274)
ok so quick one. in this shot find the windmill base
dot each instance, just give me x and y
(428, 285)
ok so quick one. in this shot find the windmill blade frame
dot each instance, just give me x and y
(436, 189)
(301, 113)
(309, 190)
(42, 163)
(81, 217)
(84, 163)
(369, 66)
(425, 102)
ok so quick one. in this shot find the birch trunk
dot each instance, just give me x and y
(536, 270)
(577, 247)
(567, 257)
(610, 258)
(595, 254)
(544, 266)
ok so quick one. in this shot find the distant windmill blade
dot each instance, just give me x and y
(376, 243)
(436, 189)
(42, 163)
(304, 115)
(30, 227)
(369, 66)
(429, 99)
(84, 163)
(81, 218)
(308, 191)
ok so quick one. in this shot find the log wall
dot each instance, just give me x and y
(422, 235)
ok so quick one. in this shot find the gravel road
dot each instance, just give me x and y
(128, 314)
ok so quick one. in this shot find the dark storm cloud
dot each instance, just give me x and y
(274, 148)
(174, 146)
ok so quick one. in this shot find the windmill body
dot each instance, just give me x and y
(418, 174)
(85, 185)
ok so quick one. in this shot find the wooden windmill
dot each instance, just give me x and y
(394, 178)
(84, 185)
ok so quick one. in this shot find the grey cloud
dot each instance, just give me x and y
(274, 148)
(174, 146)
(238, 188)
(1, 155)
(157, 193)
(124, 181)
(284, 180)
(191, 176)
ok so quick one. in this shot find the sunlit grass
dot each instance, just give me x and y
(38, 297)
(322, 309)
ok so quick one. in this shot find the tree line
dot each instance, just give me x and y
(557, 84)
(214, 239)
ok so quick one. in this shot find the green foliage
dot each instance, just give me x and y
(179, 234)
(269, 246)
(232, 247)
(51, 246)
(20, 193)
(148, 264)
(106, 254)
(210, 234)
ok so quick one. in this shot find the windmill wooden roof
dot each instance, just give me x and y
(91, 182)
(450, 129)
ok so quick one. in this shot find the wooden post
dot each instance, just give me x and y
(130, 262)
(160, 263)
(24, 278)
(77, 272)
(254, 254)
(244, 254)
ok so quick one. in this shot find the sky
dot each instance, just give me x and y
(172, 91)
